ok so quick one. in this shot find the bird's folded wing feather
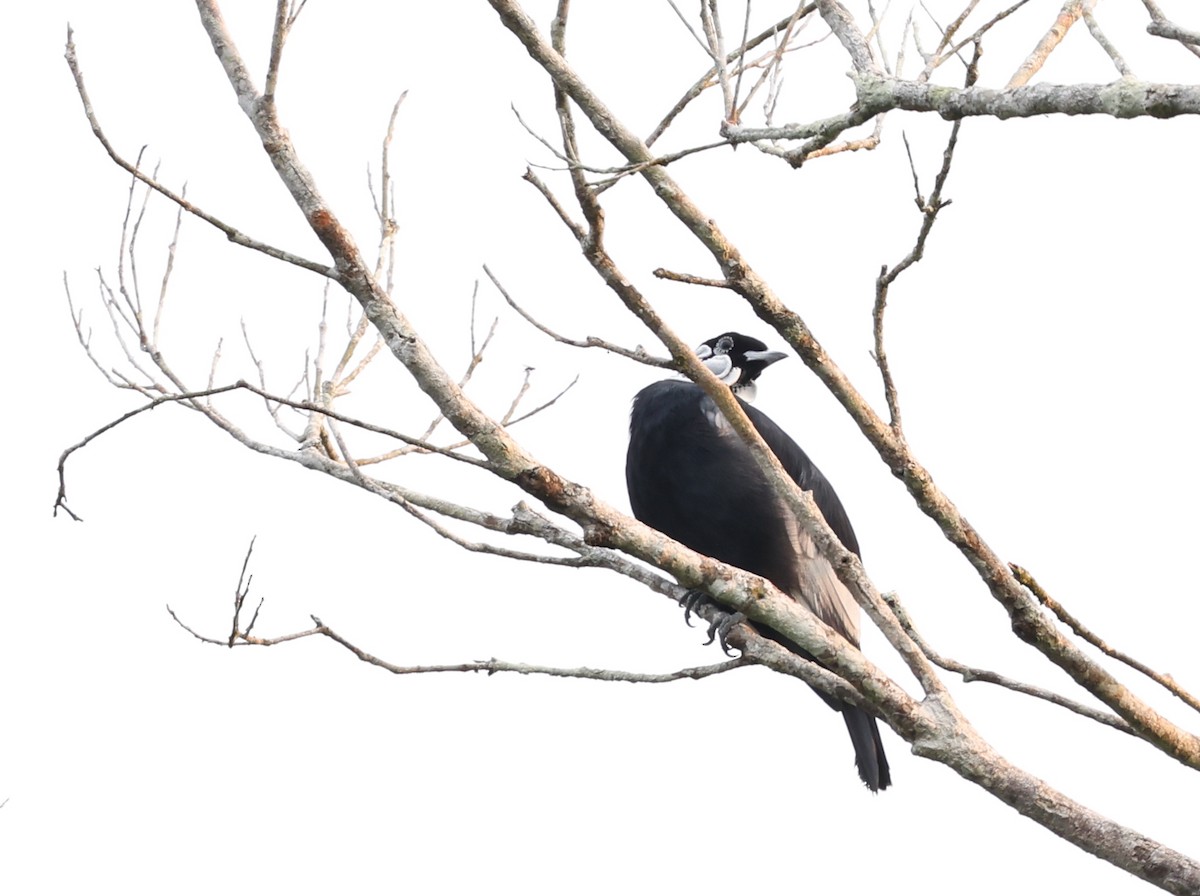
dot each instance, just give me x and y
(818, 586)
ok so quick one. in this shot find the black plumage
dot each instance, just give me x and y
(690, 476)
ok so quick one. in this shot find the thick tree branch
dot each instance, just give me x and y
(1120, 99)
(876, 95)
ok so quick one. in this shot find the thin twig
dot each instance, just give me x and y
(483, 547)
(1099, 36)
(232, 233)
(639, 354)
(85, 340)
(278, 37)
(710, 20)
(239, 594)
(190, 399)
(929, 213)
(167, 271)
(664, 274)
(491, 666)
(972, 673)
(936, 60)
(1082, 631)
(706, 80)
(737, 86)
(579, 232)
(869, 142)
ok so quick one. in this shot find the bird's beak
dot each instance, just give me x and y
(765, 358)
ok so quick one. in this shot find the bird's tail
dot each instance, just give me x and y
(868, 748)
(864, 730)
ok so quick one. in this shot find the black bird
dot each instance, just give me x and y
(690, 476)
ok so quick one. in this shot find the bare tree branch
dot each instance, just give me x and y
(1070, 13)
(1121, 99)
(929, 212)
(239, 596)
(1161, 26)
(490, 667)
(190, 399)
(233, 234)
(783, 27)
(1099, 36)
(1082, 631)
(691, 279)
(637, 354)
(972, 673)
(943, 53)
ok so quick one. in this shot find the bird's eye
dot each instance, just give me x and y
(724, 344)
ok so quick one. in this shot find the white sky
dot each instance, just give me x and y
(1045, 354)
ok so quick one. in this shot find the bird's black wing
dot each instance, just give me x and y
(700, 488)
(692, 478)
(806, 475)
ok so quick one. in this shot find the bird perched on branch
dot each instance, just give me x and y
(690, 476)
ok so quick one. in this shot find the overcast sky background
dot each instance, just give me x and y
(1046, 360)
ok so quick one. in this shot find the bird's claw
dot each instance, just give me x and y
(720, 628)
(691, 599)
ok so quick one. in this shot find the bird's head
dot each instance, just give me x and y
(737, 361)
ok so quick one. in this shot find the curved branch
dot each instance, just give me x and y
(232, 233)
(490, 667)
(189, 399)
(973, 673)
(638, 354)
(1082, 631)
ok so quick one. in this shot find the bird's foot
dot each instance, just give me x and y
(720, 627)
